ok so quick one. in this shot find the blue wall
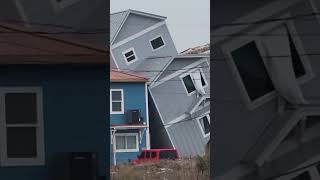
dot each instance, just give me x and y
(134, 98)
(75, 109)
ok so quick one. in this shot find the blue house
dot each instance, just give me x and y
(128, 115)
(53, 106)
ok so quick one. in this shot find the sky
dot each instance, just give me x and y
(188, 20)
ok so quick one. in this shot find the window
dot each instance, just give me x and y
(116, 101)
(22, 141)
(127, 142)
(252, 71)
(189, 79)
(204, 123)
(130, 56)
(157, 43)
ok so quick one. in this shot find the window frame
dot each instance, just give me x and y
(238, 42)
(134, 54)
(164, 43)
(202, 130)
(122, 102)
(40, 159)
(126, 135)
(190, 74)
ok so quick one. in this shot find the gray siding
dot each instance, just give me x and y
(172, 91)
(187, 138)
(143, 48)
(116, 20)
(134, 24)
(230, 112)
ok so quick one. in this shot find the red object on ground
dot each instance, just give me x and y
(154, 155)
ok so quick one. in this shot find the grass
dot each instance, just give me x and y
(186, 169)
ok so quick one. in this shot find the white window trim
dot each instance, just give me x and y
(190, 73)
(40, 159)
(127, 134)
(239, 42)
(164, 43)
(202, 130)
(134, 53)
(122, 102)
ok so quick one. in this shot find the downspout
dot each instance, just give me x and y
(147, 118)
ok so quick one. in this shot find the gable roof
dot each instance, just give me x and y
(118, 19)
(124, 76)
(20, 46)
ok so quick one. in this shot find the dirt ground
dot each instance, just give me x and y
(188, 169)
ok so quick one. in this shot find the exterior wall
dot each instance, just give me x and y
(134, 24)
(75, 108)
(173, 91)
(229, 107)
(134, 98)
(143, 48)
(186, 136)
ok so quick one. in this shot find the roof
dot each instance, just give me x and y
(117, 19)
(123, 76)
(205, 49)
(153, 66)
(18, 45)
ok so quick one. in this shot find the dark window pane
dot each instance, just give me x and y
(296, 60)
(189, 83)
(131, 58)
(116, 106)
(312, 121)
(157, 43)
(303, 176)
(21, 142)
(128, 53)
(252, 71)
(116, 95)
(202, 80)
(206, 125)
(21, 108)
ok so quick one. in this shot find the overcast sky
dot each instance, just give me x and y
(188, 20)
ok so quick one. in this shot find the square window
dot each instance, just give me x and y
(157, 43)
(252, 71)
(127, 142)
(129, 55)
(190, 79)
